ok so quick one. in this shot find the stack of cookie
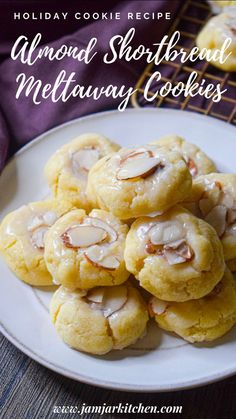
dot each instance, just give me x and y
(153, 213)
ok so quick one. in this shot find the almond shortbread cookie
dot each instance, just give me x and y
(101, 319)
(200, 320)
(213, 199)
(139, 181)
(67, 170)
(197, 161)
(214, 34)
(219, 5)
(176, 256)
(22, 236)
(85, 251)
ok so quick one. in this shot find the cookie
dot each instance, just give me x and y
(176, 256)
(67, 170)
(84, 251)
(214, 34)
(101, 319)
(219, 5)
(200, 320)
(139, 181)
(223, 3)
(213, 199)
(197, 161)
(231, 264)
(22, 235)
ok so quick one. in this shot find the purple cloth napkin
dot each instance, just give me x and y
(21, 120)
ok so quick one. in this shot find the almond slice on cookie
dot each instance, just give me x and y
(217, 218)
(178, 252)
(81, 236)
(37, 237)
(97, 222)
(96, 295)
(137, 163)
(108, 300)
(96, 256)
(165, 232)
(157, 307)
(136, 154)
(83, 159)
(114, 299)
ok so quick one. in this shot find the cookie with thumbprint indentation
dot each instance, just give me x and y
(139, 181)
(197, 161)
(22, 239)
(101, 319)
(214, 35)
(85, 251)
(176, 256)
(219, 5)
(213, 199)
(67, 170)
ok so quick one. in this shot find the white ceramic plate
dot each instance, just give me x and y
(160, 361)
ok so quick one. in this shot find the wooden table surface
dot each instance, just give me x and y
(29, 390)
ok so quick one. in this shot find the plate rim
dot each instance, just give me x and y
(40, 137)
(83, 378)
(108, 384)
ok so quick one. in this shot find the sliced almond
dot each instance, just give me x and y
(227, 200)
(49, 218)
(110, 262)
(96, 295)
(45, 220)
(83, 236)
(97, 222)
(217, 218)
(174, 231)
(96, 253)
(86, 157)
(143, 168)
(214, 192)
(136, 154)
(205, 206)
(173, 258)
(107, 262)
(178, 252)
(82, 161)
(192, 167)
(177, 244)
(37, 237)
(35, 222)
(157, 307)
(165, 232)
(156, 232)
(114, 299)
